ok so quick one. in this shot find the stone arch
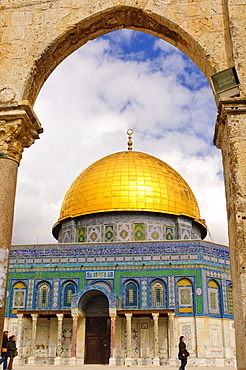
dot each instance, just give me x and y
(32, 34)
(76, 34)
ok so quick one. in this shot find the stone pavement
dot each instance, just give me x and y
(107, 367)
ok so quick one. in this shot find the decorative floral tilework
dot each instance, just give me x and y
(224, 293)
(30, 294)
(94, 234)
(109, 233)
(124, 231)
(171, 291)
(82, 235)
(139, 232)
(169, 233)
(154, 232)
(185, 233)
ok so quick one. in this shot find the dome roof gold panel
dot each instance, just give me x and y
(129, 181)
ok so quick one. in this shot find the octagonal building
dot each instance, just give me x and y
(130, 274)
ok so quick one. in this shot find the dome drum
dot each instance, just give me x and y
(126, 227)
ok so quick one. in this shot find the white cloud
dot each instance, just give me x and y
(89, 102)
(203, 174)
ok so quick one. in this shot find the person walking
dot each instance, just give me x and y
(4, 352)
(183, 353)
(12, 350)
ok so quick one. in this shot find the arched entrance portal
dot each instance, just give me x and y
(97, 330)
(37, 36)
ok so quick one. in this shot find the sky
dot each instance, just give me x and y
(125, 79)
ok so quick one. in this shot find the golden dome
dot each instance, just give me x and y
(129, 181)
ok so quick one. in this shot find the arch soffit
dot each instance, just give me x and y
(184, 281)
(67, 282)
(158, 280)
(213, 283)
(43, 282)
(103, 22)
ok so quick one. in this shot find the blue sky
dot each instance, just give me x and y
(125, 79)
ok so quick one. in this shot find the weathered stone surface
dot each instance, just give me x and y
(230, 137)
(37, 36)
(8, 170)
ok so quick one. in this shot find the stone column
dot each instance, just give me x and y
(128, 360)
(52, 337)
(75, 317)
(59, 339)
(19, 339)
(230, 137)
(113, 315)
(8, 177)
(172, 361)
(80, 345)
(156, 360)
(19, 128)
(31, 359)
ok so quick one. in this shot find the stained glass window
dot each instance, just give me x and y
(19, 295)
(157, 294)
(43, 295)
(185, 295)
(69, 290)
(213, 297)
(131, 294)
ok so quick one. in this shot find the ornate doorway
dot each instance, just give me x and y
(97, 341)
(97, 335)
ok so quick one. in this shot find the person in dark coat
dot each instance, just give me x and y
(12, 351)
(4, 359)
(183, 353)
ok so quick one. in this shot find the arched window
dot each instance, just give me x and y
(19, 295)
(185, 296)
(131, 295)
(69, 290)
(157, 292)
(213, 297)
(230, 300)
(43, 295)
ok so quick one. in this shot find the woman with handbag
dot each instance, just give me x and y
(183, 353)
(12, 351)
(5, 354)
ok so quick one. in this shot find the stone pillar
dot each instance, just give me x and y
(8, 177)
(230, 137)
(128, 360)
(80, 345)
(156, 360)
(52, 337)
(19, 339)
(19, 128)
(113, 315)
(31, 359)
(75, 317)
(172, 361)
(59, 339)
(144, 342)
